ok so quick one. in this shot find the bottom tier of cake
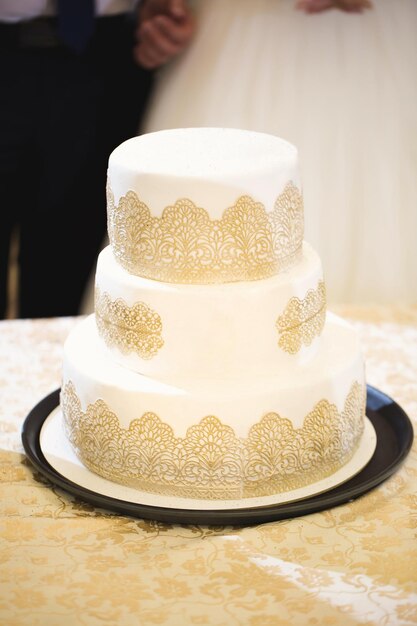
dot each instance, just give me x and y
(215, 439)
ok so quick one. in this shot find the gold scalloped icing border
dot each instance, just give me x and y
(211, 461)
(185, 245)
(302, 320)
(134, 328)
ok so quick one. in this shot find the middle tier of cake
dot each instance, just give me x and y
(211, 331)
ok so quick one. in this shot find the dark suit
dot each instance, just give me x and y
(61, 114)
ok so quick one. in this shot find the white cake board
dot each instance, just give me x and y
(60, 455)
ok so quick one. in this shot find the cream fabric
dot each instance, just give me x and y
(341, 87)
(65, 562)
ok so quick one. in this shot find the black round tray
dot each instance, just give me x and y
(394, 438)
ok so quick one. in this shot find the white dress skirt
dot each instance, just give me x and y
(341, 87)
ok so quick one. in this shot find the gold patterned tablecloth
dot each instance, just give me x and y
(63, 562)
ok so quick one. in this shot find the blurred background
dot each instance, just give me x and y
(342, 87)
(337, 79)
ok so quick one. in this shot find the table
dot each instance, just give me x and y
(63, 562)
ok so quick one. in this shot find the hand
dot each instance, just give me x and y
(165, 28)
(349, 6)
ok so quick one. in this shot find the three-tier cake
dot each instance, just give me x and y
(210, 369)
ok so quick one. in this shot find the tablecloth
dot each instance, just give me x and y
(64, 562)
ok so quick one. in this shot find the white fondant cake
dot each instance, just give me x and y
(210, 369)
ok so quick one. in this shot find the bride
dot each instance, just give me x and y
(336, 78)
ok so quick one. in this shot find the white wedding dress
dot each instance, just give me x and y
(341, 87)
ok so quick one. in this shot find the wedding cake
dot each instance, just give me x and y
(211, 369)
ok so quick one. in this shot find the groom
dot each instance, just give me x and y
(76, 76)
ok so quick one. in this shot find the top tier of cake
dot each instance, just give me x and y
(205, 205)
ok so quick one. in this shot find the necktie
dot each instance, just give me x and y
(75, 22)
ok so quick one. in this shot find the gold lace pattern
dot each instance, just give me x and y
(302, 320)
(211, 461)
(134, 328)
(185, 245)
